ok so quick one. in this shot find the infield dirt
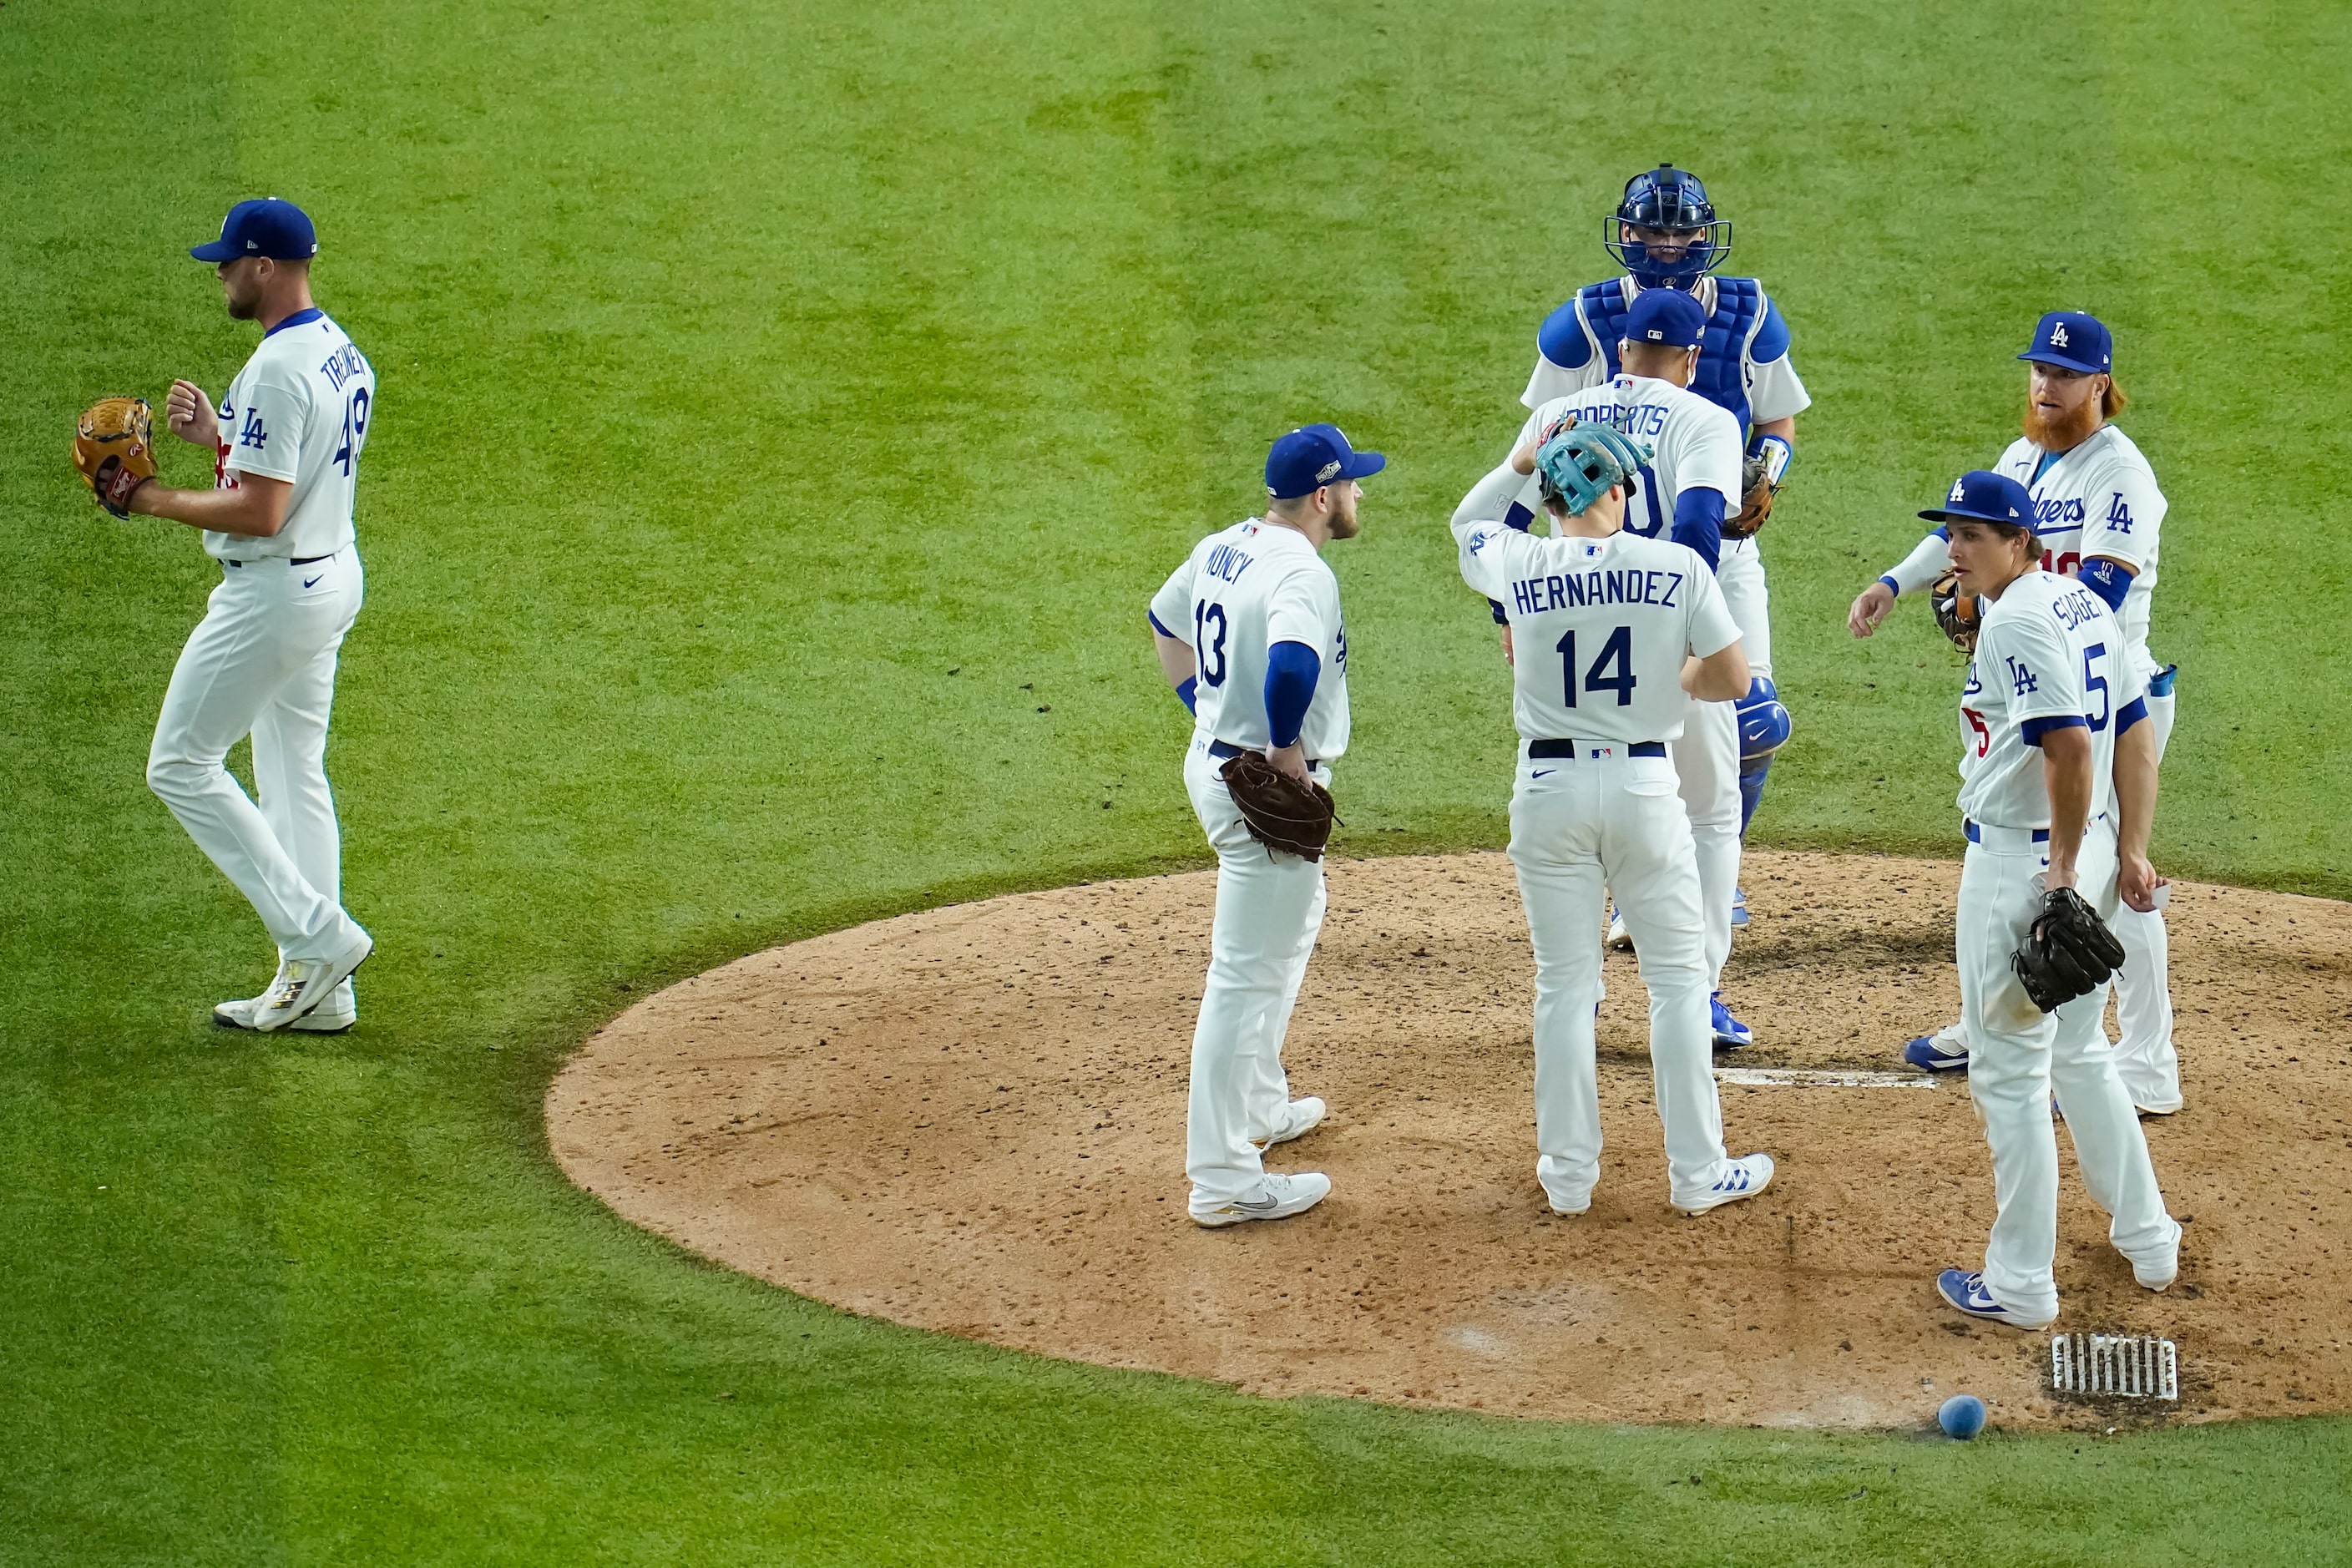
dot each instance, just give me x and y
(972, 1120)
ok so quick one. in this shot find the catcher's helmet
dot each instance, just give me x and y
(1667, 198)
(1579, 464)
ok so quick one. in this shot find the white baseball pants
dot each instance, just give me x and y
(1575, 822)
(262, 662)
(1269, 911)
(1707, 764)
(2017, 1055)
(1739, 572)
(2144, 1054)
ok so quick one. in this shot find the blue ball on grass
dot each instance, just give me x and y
(1962, 1416)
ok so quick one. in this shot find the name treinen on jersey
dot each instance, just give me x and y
(1532, 595)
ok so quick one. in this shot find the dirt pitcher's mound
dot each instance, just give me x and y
(972, 1119)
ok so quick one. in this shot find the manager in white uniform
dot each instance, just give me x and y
(286, 442)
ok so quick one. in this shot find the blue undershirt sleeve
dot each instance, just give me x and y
(1698, 522)
(1291, 669)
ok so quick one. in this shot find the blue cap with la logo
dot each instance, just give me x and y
(1314, 456)
(1978, 496)
(266, 225)
(2073, 340)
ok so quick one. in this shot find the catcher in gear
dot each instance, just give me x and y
(114, 448)
(2058, 764)
(1248, 632)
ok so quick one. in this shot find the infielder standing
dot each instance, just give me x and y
(1248, 632)
(287, 441)
(1685, 489)
(2097, 511)
(1666, 235)
(2058, 770)
(1613, 632)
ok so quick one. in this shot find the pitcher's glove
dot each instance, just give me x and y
(1955, 611)
(1755, 492)
(114, 448)
(2069, 953)
(1282, 813)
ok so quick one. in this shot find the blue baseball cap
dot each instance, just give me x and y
(1314, 456)
(1981, 497)
(2073, 340)
(263, 226)
(1667, 315)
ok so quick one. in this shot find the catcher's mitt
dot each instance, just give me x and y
(114, 448)
(1955, 611)
(1755, 492)
(2069, 953)
(1282, 813)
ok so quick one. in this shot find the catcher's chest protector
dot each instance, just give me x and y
(1722, 377)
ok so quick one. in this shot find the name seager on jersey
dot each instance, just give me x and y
(2050, 651)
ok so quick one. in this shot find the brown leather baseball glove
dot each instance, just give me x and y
(114, 448)
(1282, 813)
(1955, 611)
(1757, 491)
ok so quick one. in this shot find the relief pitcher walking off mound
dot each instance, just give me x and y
(287, 440)
(1248, 631)
(1612, 633)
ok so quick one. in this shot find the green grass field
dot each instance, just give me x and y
(785, 411)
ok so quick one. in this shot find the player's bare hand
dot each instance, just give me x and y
(1291, 759)
(1870, 609)
(188, 413)
(2136, 881)
(1509, 654)
(1523, 456)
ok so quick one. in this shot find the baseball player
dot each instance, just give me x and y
(2097, 512)
(1248, 632)
(1666, 235)
(2058, 771)
(1685, 489)
(1615, 632)
(286, 440)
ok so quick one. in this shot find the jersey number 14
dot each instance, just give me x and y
(1616, 654)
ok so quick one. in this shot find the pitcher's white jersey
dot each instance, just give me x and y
(1697, 446)
(298, 411)
(2100, 498)
(1243, 589)
(2048, 655)
(1601, 626)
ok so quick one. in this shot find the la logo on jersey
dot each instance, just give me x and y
(2057, 335)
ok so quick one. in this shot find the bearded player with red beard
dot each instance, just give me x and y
(2097, 511)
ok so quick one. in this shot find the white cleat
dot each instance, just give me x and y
(332, 1016)
(1619, 937)
(1741, 1178)
(1277, 1197)
(1297, 1118)
(303, 985)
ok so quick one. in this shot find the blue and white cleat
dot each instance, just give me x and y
(1730, 1034)
(1619, 937)
(1738, 908)
(1742, 1178)
(1943, 1051)
(1966, 1292)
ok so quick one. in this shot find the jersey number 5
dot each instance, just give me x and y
(355, 424)
(1977, 723)
(1618, 650)
(1209, 650)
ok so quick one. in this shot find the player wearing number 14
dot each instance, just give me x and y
(285, 443)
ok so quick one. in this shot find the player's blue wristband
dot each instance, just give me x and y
(1188, 694)
(1291, 669)
(1500, 618)
(1893, 586)
(2032, 729)
(1777, 454)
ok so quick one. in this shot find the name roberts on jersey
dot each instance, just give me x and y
(1696, 450)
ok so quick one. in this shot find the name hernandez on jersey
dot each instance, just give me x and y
(1695, 443)
(1601, 626)
(299, 411)
(1241, 591)
(2048, 655)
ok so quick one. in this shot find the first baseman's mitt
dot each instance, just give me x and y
(1955, 611)
(114, 448)
(1755, 492)
(1282, 813)
(2069, 953)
